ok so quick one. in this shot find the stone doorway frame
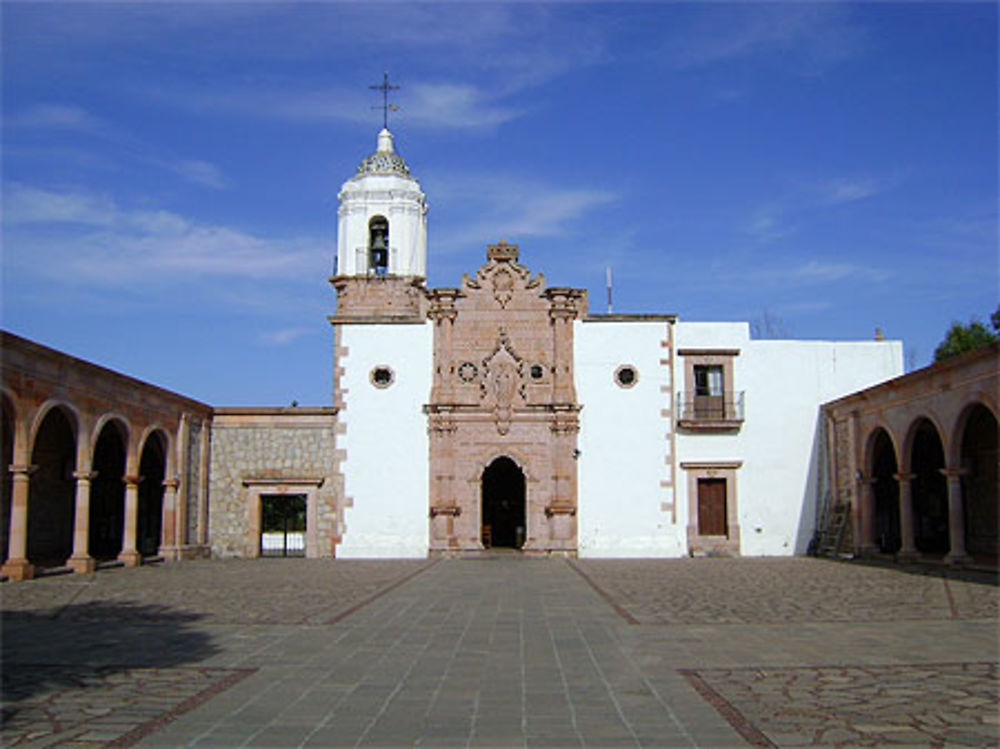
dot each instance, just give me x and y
(524, 502)
(257, 487)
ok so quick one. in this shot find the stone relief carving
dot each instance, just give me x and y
(503, 381)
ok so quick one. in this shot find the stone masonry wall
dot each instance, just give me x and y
(273, 451)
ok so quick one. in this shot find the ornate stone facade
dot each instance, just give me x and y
(503, 388)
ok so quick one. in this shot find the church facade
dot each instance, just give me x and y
(500, 412)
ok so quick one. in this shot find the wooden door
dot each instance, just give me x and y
(712, 507)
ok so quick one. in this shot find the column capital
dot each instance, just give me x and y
(85, 475)
(953, 473)
(904, 476)
(132, 480)
(171, 483)
(22, 469)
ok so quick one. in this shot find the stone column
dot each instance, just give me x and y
(908, 549)
(562, 314)
(130, 554)
(957, 554)
(168, 538)
(81, 561)
(17, 566)
(866, 518)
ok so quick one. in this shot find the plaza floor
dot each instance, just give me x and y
(503, 651)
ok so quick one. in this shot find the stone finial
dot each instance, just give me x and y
(502, 252)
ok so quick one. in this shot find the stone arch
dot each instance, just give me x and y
(882, 467)
(503, 503)
(924, 459)
(975, 438)
(54, 454)
(154, 467)
(109, 461)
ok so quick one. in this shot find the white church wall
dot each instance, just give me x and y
(784, 384)
(385, 441)
(624, 442)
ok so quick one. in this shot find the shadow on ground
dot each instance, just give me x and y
(46, 651)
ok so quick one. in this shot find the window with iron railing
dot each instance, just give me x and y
(714, 408)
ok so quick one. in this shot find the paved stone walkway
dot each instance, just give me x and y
(501, 651)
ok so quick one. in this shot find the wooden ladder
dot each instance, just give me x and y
(831, 538)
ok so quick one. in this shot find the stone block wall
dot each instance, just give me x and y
(262, 451)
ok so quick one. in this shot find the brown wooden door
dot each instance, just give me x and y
(712, 507)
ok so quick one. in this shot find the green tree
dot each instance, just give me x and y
(961, 338)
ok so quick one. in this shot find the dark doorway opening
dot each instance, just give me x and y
(886, 494)
(7, 485)
(503, 504)
(152, 469)
(979, 482)
(283, 525)
(107, 494)
(930, 490)
(52, 490)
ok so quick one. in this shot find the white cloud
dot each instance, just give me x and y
(43, 235)
(201, 173)
(283, 336)
(768, 224)
(845, 190)
(58, 116)
(817, 272)
(509, 207)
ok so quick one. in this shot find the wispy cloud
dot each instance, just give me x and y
(91, 237)
(283, 336)
(816, 272)
(847, 190)
(491, 207)
(768, 224)
(56, 116)
(816, 35)
(201, 173)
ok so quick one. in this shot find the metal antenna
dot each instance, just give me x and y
(385, 87)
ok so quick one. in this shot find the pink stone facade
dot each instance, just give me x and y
(503, 388)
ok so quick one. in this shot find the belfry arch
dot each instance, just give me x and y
(504, 499)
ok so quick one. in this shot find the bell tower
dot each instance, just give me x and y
(382, 221)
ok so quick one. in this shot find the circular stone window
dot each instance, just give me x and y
(382, 376)
(537, 372)
(467, 372)
(626, 376)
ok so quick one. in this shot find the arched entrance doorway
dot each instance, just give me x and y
(107, 494)
(503, 504)
(52, 491)
(152, 469)
(930, 490)
(885, 491)
(979, 481)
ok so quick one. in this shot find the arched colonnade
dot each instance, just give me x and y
(97, 466)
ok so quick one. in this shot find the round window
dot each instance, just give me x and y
(382, 376)
(467, 372)
(626, 376)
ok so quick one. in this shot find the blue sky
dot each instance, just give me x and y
(170, 170)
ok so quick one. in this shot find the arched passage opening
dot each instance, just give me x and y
(503, 504)
(107, 493)
(51, 491)
(885, 491)
(153, 470)
(7, 483)
(930, 490)
(979, 459)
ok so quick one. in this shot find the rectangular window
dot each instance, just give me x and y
(709, 397)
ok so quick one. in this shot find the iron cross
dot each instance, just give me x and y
(385, 87)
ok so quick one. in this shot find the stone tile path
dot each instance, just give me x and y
(502, 651)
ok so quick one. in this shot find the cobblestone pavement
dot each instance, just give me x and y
(501, 651)
(952, 704)
(788, 589)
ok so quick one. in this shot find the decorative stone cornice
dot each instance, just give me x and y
(502, 252)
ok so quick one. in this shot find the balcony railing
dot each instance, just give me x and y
(710, 411)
